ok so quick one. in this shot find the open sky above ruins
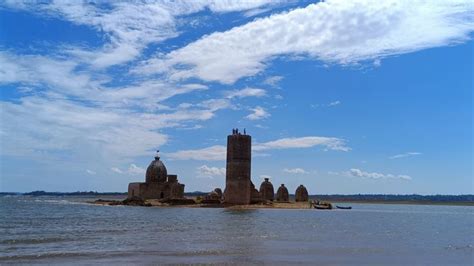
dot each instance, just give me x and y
(342, 96)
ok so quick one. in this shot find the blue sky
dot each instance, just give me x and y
(341, 96)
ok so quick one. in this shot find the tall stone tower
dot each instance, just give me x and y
(239, 187)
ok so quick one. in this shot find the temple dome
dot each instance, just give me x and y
(282, 194)
(266, 190)
(156, 171)
(301, 194)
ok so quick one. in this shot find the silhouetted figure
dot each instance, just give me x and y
(245, 133)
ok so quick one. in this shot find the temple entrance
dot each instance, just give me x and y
(161, 195)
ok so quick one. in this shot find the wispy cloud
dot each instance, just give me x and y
(213, 153)
(128, 27)
(406, 154)
(381, 29)
(331, 104)
(273, 81)
(295, 171)
(90, 172)
(218, 152)
(304, 142)
(210, 171)
(258, 113)
(132, 170)
(354, 172)
(247, 92)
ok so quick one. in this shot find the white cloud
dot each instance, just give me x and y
(90, 172)
(213, 153)
(295, 171)
(406, 154)
(258, 113)
(209, 171)
(373, 175)
(247, 92)
(255, 12)
(273, 81)
(116, 170)
(78, 128)
(135, 170)
(334, 31)
(303, 142)
(128, 27)
(331, 104)
(218, 152)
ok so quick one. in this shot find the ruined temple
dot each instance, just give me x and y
(266, 190)
(239, 188)
(158, 184)
(282, 194)
(301, 194)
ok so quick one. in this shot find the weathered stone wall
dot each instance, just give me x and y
(134, 190)
(238, 184)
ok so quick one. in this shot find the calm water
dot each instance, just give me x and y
(65, 230)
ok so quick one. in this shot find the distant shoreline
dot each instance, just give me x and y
(451, 200)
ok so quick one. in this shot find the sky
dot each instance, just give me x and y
(342, 96)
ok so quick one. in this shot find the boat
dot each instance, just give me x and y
(323, 207)
(344, 208)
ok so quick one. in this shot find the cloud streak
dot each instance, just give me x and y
(354, 172)
(209, 171)
(218, 152)
(298, 171)
(404, 155)
(258, 113)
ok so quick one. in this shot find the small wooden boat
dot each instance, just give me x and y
(344, 208)
(323, 207)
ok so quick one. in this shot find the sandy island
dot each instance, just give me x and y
(158, 203)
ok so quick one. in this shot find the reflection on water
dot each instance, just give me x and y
(65, 229)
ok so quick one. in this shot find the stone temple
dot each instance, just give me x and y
(266, 190)
(239, 188)
(158, 184)
(282, 194)
(301, 194)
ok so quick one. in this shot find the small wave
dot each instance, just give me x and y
(62, 201)
(466, 247)
(33, 240)
(46, 256)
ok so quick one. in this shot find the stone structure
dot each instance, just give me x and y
(301, 194)
(282, 194)
(266, 190)
(213, 197)
(239, 188)
(158, 184)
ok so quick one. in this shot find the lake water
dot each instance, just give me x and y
(65, 230)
